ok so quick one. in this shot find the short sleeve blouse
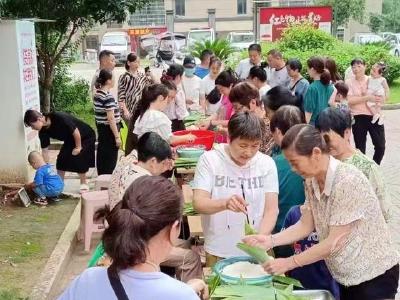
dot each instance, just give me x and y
(368, 251)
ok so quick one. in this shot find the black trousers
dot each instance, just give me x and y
(107, 150)
(361, 127)
(380, 288)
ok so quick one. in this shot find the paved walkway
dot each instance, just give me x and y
(390, 168)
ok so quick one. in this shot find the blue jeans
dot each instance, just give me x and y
(42, 191)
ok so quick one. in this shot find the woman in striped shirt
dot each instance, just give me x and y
(131, 85)
(108, 120)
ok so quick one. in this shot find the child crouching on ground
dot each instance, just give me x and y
(47, 184)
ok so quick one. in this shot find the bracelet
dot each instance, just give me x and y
(272, 241)
(296, 262)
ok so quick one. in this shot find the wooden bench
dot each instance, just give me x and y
(194, 221)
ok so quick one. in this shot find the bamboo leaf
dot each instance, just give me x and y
(287, 280)
(248, 229)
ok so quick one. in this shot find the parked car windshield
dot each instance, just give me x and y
(242, 38)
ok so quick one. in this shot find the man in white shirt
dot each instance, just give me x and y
(232, 181)
(254, 59)
(279, 74)
(191, 84)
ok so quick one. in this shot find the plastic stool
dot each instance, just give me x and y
(91, 202)
(102, 182)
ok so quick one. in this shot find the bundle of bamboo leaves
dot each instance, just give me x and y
(188, 209)
(186, 162)
(252, 292)
(194, 119)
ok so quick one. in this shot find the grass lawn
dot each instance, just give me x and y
(84, 112)
(28, 236)
(395, 92)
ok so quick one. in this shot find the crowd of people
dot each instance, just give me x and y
(284, 161)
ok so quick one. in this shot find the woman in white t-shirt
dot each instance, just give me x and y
(207, 84)
(142, 231)
(232, 181)
(149, 115)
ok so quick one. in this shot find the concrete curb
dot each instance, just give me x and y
(59, 258)
(391, 106)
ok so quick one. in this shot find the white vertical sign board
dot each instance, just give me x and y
(21, 92)
(28, 76)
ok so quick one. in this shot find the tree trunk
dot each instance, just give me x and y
(47, 86)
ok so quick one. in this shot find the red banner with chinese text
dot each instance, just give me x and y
(274, 19)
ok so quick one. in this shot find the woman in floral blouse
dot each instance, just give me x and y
(344, 210)
(336, 123)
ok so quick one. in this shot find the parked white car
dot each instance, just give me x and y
(240, 40)
(365, 38)
(394, 41)
(201, 34)
(118, 42)
(385, 34)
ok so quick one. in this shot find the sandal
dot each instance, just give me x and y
(84, 188)
(40, 201)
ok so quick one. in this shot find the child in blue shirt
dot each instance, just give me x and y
(47, 184)
(314, 276)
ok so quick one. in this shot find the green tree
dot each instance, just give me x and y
(376, 22)
(70, 21)
(391, 15)
(344, 10)
(221, 48)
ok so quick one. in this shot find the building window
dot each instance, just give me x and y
(295, 2)
(340, 33)
(242, 7)
(92, 42)
(180, 7)
(153, 14)
(113, 24)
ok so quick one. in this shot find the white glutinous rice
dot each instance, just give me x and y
(244, 269)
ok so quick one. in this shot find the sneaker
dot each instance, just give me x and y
(381, 120)
(53, 199)
(375, 118)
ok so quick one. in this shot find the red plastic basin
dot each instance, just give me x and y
(203, 137)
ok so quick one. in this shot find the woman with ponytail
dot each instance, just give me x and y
(107, 116)
(176, 109)
(317, 97)
(150, 117)
(142, 231)
(224, 83)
